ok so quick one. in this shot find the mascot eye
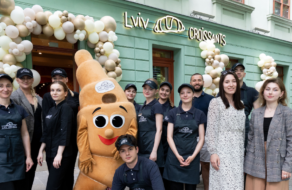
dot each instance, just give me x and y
(100, 121)
(117, 121)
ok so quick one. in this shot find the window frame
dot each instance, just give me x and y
(281, 9)
(242, 1)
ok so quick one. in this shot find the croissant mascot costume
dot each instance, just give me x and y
(105, 114)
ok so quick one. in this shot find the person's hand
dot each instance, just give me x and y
(153, 156)
(189, 160)
(57, 161)
(181, 160)
(40, 158)
(215, 161)
(29, 163)
(285, 175)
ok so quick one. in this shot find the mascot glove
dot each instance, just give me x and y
(86, 166)
(116, 154)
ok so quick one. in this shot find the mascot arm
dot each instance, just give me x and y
(85, 157)
(131, 131)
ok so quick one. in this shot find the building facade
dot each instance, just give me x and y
(148, 48)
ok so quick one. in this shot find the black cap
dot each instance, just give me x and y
(166, 83)
(6, 77)
(124, 141)
(150, 83)
(130, 85)
(236, 65)
(59, 71)
(24, 72)
(186, 85)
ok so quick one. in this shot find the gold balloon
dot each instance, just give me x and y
(81, 17)
(48, 30)
(216, 81)
(19, 65)
(120, 65)
(211, 60)
(79, 24)
(110, 65)
(210, 57)
(65, 13)
(10, 59)
(48, 14)
(118, 71)
(112, 74)
(64, 19)
(102, 51)
(225, 59)
(1, 71)
(267, 65)
(7, 20)
(6, 6)
(274, 64)
(217, 51)
(23, 31)
(218, 58)
(98, 54)
(213, 74)
(118, 61)
(41, 18)
(100, 46)
(96, 50)
(99, 43)
(109, 23)
(207, 60)
(210, 53)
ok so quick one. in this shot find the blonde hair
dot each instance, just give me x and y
(35, 100)
(154, 80)
(283, 99)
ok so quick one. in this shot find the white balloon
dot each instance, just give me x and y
(90, 44)
(15, 52)
(102, 59)
(259, 85)
(4, 42)
(1, 64)
(207, 80)
(20, 58)
(216, 91)
(29, 25)
(118, 79)
(29, 12)
(5, 65)
(11, 31)
(203, 45)
(15, 84)
(262, 56)
(275, 74)
(108, 47)
(89, 26)
(68, 27)
(70, 38)
(265, 71)
(58, 13)
(7, 70)
(116, 52)
(54, 21)
(103, 36)
(34, 23)
(272, 69)
(37, 8)
(268, 59)
(12, 75)
(13, 68)
(2, 53)
(20, 47)
(261, 63)
(113, 57)
(204, 54)
(211, 47)
(221, 64)
(212, 86)
(59, 33)
(93, 38)
(37, 30)
(27, 46)
(81, 37)
(263, 76)
(216, 64)
(17, 40)
(208, 91)
(99, 26)
(17, 16)
(208, 69)
(70, 15)
(219, 70)
(36, 77)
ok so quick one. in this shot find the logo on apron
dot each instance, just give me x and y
(9, 125)
(142, 119)
(186, 130)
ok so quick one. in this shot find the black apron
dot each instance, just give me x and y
(146, 136)
(247, 112)
(164, 134)
(141, 185)
(185, 139)
(12, 156)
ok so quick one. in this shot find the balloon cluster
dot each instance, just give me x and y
(268, 66)
(215, 64)
(17, 23)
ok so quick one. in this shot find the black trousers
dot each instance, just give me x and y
(29, 176)
(70, 177)
(165, 181)
(12, 185)
(180, 186)
(57, 177)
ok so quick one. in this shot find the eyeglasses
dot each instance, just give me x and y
(227, 72)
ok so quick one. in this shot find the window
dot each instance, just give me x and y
(282, 8)
(280, 71)
(240, 1)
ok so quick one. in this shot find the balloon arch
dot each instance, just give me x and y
(17, 23)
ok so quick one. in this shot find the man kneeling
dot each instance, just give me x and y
(137, 173)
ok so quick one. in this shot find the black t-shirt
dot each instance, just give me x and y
(37, 133)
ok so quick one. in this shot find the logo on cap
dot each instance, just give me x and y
(104, 86)
(124, 141)
(148, 82)
(58, 71)
(25, 71)
(1, 75)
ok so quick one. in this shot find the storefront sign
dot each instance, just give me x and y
(170, 24)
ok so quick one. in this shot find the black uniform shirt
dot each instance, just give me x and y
(198, 115)
(5, 111)
(252, 96)
(37, 133)
(57, 131)
(155, 106)
(137, 107)
(151, 175)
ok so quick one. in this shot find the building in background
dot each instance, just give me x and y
(149, 49)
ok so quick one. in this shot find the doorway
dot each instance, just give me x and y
(163, 67)
(49, 53)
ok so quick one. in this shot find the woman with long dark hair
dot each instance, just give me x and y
(56, 139)
(268, 157)
(225, 135)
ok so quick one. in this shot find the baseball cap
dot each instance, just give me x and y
(150, 83)
(130, 85)
(166, 83)
(24, 72)
(124, 141)
(186, 85)
(7, 77)
(236, 65)
(59, 71)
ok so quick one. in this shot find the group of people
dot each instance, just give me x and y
(30, 124)
(235, 153)
(171, 148)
